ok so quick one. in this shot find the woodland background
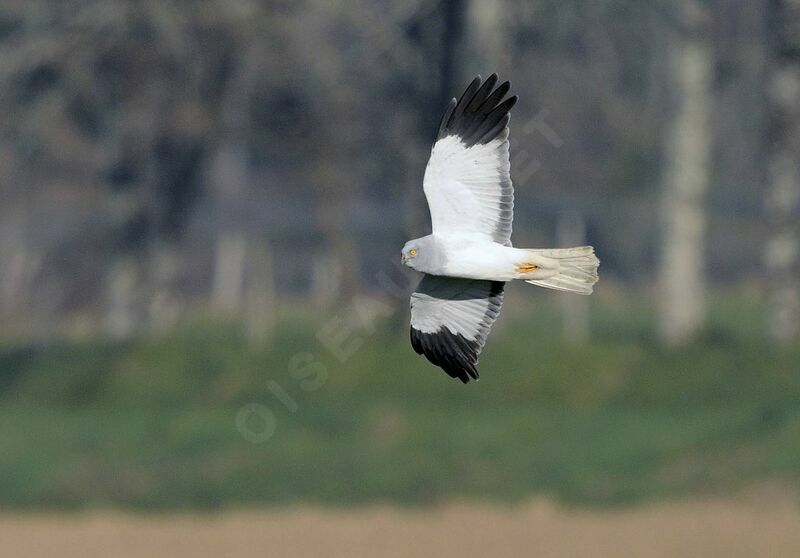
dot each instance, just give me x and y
(202, 205)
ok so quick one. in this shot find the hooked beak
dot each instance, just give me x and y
(403, 258)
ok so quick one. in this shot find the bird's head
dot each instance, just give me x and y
(410, 253)
(423, 254)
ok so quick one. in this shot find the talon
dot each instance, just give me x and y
(526, 268)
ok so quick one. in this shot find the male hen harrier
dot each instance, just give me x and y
(468, 257)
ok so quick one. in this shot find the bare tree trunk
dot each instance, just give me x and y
(259, 296)
(121, 318)
(574, 309)
(20, 263)
(229, 266)
(488, 36)
(783, 201)
(326, 277)
(244, 284)
(229, 177)
(686, 179)
(165, 303)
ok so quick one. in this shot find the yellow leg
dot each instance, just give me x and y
(526, 267)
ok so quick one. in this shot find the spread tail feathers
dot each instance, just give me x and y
(576, 269)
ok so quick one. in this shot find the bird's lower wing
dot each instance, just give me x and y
(451, 319)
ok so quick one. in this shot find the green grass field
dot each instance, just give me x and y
(153, 423)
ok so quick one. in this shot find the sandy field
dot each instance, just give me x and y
(763, 526)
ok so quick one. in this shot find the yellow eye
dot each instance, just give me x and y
(413, 251)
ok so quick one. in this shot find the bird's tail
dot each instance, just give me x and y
(564, 269)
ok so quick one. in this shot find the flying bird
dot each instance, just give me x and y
(468, 258)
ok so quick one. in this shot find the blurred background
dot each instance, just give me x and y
(202, 205)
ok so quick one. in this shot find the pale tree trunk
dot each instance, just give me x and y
(166, 302)
(326, 277)
(122, 303)
(244, 284)
(574, 309)
(259, 296)
(20, 263)
(229, 266)
(487, 31)
(229, 177)
(686, 179)
(243, 280)
(783, 201)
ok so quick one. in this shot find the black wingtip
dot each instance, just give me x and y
(451, 352)
(474, 118)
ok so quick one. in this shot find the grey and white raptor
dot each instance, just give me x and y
(468, 258)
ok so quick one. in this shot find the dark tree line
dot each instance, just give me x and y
(167, 158)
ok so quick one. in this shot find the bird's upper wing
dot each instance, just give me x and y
(467, 181)
(451, 319)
